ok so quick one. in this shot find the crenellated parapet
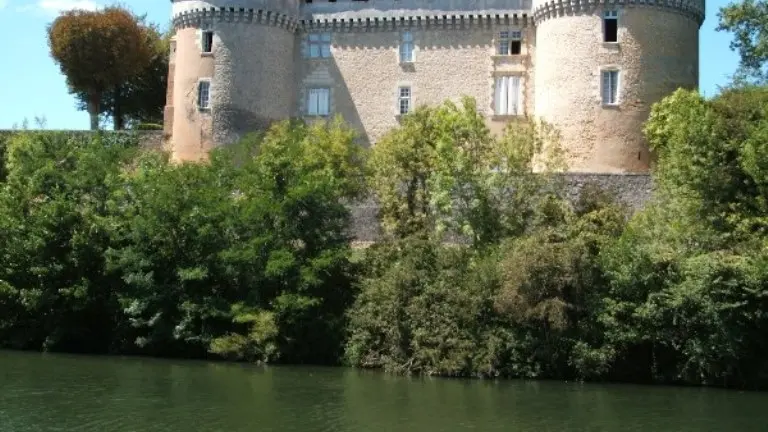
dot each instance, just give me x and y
(276, 13)
(350, 15)
(545, 9)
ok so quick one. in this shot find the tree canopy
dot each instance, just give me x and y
(748, 21)
(141, 99)
(98, 50)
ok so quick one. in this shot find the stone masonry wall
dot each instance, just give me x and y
(657, 52)
(633, 190)
(364, 73)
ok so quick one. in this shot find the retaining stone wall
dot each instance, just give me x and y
(634, 190)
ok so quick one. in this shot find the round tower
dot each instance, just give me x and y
(232, 71)
(599, 67)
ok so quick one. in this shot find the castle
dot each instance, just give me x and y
(592, 68)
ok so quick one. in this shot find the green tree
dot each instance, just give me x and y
(141, 99)
(98, 51)
(55, 293)
(524, 309)
(748, 21)
(245, 256)
(443, 173)
(687, 298)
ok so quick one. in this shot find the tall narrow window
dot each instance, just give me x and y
(508, 95)
(207, 42)
(503, 43)
(204, 95)
(404, 100)
(319, 102)
(610, 26)
(406, 47)
(610, 87)
(510, 42)
(319, 45)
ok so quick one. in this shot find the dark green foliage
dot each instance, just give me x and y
(54, 223)
(108, 248)
(748, 21)
(515, 310)
(111, 249)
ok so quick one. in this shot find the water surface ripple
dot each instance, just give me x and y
(42, 393)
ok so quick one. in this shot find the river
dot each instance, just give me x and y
(46, 392)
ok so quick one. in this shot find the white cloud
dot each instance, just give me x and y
(57, 6)
(3, 4)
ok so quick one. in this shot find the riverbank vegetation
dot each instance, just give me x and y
(484, 268)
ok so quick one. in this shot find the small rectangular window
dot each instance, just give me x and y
(404, 100)
(503, 43)
(610, 26)
(406, 47)
(204, 94)
(319, 102)
(510, 43)
(610, 87)
(319, 45)
(207, 44)
(508, 95)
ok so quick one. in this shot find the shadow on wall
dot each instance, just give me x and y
(258, 84)
(325, 73)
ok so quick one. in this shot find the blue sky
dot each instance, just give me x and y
(32, 85)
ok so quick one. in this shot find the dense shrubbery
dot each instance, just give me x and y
(485, 268)
(677, 294)
(111, 250)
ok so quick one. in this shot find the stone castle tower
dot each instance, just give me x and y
(592, 68)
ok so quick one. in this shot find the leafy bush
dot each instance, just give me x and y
(115, 249)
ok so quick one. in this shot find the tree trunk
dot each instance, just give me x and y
(94, 102)
(117, 114)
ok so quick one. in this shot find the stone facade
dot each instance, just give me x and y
(260, 68)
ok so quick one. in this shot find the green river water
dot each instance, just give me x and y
(40, 393)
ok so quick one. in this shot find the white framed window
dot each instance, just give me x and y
(403, 100)
(610, 87)
(319, 45)
(507, 98)
(406, 47)
(204, 94)
(610, 26)
(510, 42)
(318, 101)
(206, 43)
